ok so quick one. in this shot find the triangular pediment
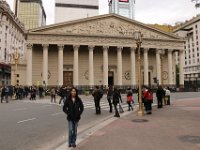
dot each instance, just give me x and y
(110, 25)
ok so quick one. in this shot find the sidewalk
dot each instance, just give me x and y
(175, 127)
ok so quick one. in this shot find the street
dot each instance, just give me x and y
(28, 125)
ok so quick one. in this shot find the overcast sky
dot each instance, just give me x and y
(147, 11)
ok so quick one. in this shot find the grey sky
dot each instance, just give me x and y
(147, 11)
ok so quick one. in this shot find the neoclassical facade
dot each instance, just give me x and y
(12, 37)
(100, 50)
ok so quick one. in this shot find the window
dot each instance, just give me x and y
(197, 54)
(196, 26)
(197, 42)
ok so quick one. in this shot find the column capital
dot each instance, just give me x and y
(60, 46)
(105, 47)
(170, 50)
(91, 47)
(133, 48)
(119, 48)
(45, 45)
(146, 50)
(29, 45)
(76, 47)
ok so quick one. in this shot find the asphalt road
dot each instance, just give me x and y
(26, 125)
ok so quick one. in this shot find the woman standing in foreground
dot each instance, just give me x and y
(73, 107)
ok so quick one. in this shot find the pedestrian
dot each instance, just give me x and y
(53, 95)
(129, 99)
(167, 96)
(73, 107)
(109, 97)
(97, 94)
(148, 100)
(7, 90)
(3, 89)
(116, 99)
(160, 93)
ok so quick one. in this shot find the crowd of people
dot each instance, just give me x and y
(73, 105)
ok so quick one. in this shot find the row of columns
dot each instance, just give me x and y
(105, 65)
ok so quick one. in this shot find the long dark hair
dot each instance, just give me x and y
(70, 96)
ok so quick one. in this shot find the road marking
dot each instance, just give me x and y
(26, 120)
(59, 113)
(46, 106)
(20, 109)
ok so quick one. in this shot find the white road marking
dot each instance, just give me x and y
(26, 120)
(20, 109)
(55, 114)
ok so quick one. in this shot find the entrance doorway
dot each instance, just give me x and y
(68, 78)
(110, 78)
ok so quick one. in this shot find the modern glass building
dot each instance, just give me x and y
(124, 8)
(31, 13)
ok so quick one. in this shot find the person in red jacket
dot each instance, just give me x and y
(148, 100)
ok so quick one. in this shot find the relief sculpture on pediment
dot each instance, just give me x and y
(109, 27)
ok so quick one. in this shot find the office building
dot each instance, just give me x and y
(190, 31)
(124, 8)
(30, 12)
(66, 10)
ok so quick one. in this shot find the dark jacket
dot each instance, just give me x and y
(116, 97)
(160, 93)
(73, 109)
(97, 94)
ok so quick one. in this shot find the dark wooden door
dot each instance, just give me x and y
(68, 78)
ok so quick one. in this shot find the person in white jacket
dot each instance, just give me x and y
(167, 96)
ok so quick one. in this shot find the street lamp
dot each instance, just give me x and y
(138, 38)
(15, 56)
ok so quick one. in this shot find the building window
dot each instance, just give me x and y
(197, 42)
(197, 49)
(197, 54)
(197, 37)
(193, 55)
(189, 61)
(196, 26)
(193, 61)
(185, 62)
(198, 60)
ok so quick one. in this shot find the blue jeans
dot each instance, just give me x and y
(72, 125)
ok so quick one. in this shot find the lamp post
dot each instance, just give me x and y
(15, 56)
(138, 38)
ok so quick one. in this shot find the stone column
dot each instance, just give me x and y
(76, 73)
(91, 65)
(105, 65)
(133, 72)
(146, 67)
(29, 65)
(170, 75)
(45, 64)
(60, 64)
(158, 66)
(119, 65)
(181, 73)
